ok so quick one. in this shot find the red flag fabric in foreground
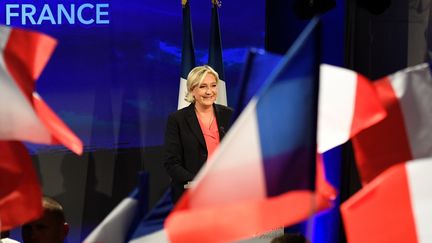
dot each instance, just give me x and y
(20, 194)
(394, 207)
(405, 133)
(23, 113)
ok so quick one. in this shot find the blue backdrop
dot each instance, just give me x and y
(114, 84)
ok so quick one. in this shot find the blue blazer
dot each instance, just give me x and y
(185, 147)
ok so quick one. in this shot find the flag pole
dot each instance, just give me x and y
(216, 3)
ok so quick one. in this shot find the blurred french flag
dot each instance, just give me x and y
(394, 161)
(394, 207)
(405, 134)
(131, 216)
(25, 116)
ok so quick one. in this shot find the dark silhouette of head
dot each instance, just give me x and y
(50, 227)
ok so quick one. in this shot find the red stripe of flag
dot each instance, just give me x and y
(367, 109)
(60, 132)
(386, 143)
(381, 212)
(186, 224)
(26, 53)
(199, 225)
(20, 194)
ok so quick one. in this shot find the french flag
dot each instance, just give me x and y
(122, 221)
(130, 219)
(24, 115)
(20, 193)
(188, 53)
(348, 104)
(394, 207)
(116, 225)
(406, 131)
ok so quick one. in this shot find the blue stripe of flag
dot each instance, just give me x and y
(215, 49)
(188, 51)
(154, 220)
(257, 68)
(141, 195)
(287, 117)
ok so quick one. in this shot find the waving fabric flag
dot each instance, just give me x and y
(129, 221)
(24, 114)
(258, 66)
(115, 227)
(20, 193)
(121, 222)
(188, 53)
(394, 207)
(404, 134)
(215, 52)
(153, 222)
(348, 104)
(266, 162)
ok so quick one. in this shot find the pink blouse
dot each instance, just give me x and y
(211, 136)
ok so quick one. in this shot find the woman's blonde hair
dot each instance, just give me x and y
(195, 78)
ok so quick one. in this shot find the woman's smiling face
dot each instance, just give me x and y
(205, 93)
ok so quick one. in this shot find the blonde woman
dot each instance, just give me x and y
(193, 133)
